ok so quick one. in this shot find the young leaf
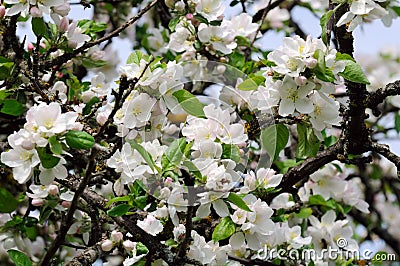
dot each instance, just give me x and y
(189, 103)
(48, 160)
(248, 85)
(354, 73)
(7, 201)
(117, 199)
(173, 155)
(19, 258)
(79, 139)
(308, 144)
(39, 27)
(324, 22)
(145, 154)
(304, 213)
(55, 145)
(230, 151)
(274, 139)
(397, 122)
(119, 210)
(11, 107)
(225, 228)
(173, 22)
(344, 56)
(136, 56)
(238, 201)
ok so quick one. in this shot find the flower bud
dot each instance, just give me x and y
(37, 202)
(129, 245)
(66, 204)
(102, 118)
(2, 11)
(300, 80)
(189, 16)
(62, 10)
(30, 47)
(64, 23)
(107, 245)
(116, 236)
(53, 190)
(311, 62)
(87, 96)
(36, 12)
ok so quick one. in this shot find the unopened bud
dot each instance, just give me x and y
(102, 118)
(107, 245)
(30, 47)
(66, 204)
(62, 10)
(189, 16)
(64, 23)
(180, 6)
(53, 190)
(129, 245)
(36, 12)
(37, 202)
(300, 80)
(87, 96)
(311, 62)
(116, 236)
(2, 11)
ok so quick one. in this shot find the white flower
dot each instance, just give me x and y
(75, 36)
(212, 198)
(18, 6)
(219, 37)
(241, 25)
(294, 97)
(182, 39)
(210, 9)
(21, 160)
(151, 225)
(59, 171)
(327, 183)
(282, 201)
(138, 110)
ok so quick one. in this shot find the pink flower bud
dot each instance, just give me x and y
(30, 47)
(300, 80)
(129, 245)
(62, 10)
(37, 202)
(311, 62)
(36, 12)
(189, 16)
(66, 204)
(2, 11)
(102, 118)
(107, 245)
(64, 23)
(116, 236)
(53, 190)
(168, 180)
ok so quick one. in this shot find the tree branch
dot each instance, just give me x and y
(385, 151)
(380, 95)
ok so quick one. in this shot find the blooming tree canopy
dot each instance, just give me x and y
(202, 147)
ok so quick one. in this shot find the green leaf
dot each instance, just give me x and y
(344, 56)
(304, 213)
(285, 165)
(397, 122)
(191, 167)
(79, 139)
(230, 151)
(319, 200)
(6, 66)
(141, 249)
(189, 103)
(354, 73)
(173, 22)
(39, 27)
(251, 83)
(119, 210)
(7, 201)
(12, 107)
(238, 201)
(19, 258)
(308, 144)
(174, 154)
(55, 145)
(274, 139)
(117, 199)
(396, 9)
(140, 202)
(225, 228)
(145, 154)
(90, 63)
(136, 56)
(48, 160)
(323, 22)
(237, 59)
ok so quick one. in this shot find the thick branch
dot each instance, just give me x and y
(385, 151)
(380, 95)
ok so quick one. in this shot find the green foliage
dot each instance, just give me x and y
(274, 139)
(145, 155)
(119, 210)
(225, 228)
(308, 144)
(238, 201)
(39, 27)
(173, 155)
(47, 159)
(7, 201)
(189, 103)
(19, 258)
(230, 151)
(79, 139)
